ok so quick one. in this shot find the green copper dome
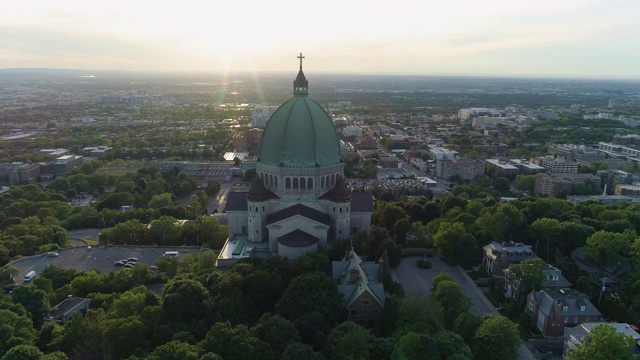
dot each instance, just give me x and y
(300, 134)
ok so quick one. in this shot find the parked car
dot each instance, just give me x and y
(120, 263)
(51, 254)
(89, 248)
(132, 259)
(129, 265)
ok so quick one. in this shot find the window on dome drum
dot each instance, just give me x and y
(270, 180)
(333, 179)
(276, 182)
(295, 183)
(322, 182)
(287, 183)
(303, 183)
(310, 183)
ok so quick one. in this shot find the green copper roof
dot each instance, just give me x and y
(300, 134)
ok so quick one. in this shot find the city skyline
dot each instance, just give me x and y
(573, 38)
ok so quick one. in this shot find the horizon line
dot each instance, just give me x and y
(325, 72)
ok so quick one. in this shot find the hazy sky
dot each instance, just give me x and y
(493, 37)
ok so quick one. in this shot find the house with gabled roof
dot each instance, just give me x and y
(360, 284)
(554, 309)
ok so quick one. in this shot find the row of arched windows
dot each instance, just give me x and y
(269, 180)
(298, 183)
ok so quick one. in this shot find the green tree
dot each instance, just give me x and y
(183, 300)
(449, 296)
(176, 350)
(607, 248)
(35, 301)
(23, 352)
(310, 291)
(122, 337)
(502, 185)
(300, 351)
(234, 343)
(603, 343)
(350, 341)
(276, 331)
(415, 346)
(497, 338)
(547, 230)
(15, 329)
(529, 275)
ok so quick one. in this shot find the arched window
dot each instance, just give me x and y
(262, 177)
(275, 182)
(322, 182)
(271, 180)
(303, 183)
(287, 183)
(295, 183)
(333, 179)
(310, 184)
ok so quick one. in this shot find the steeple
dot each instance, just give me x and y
(300, 84)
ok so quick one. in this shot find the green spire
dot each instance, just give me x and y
(300, 84)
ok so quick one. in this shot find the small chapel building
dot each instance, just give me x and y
(299, 201)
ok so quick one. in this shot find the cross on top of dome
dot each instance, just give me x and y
(300, 84)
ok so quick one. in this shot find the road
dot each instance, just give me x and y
(220, 200)
(418, 282)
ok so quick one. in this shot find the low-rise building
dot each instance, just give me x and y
(577, 336)
(360, 284)
(553, 279)
(554, 309)
(503, 166)
(627, 190)
(68, 308)
(496, 257)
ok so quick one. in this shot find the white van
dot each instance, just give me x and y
(174, 254)
(29, 276)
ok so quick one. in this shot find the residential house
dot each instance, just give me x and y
(67, 308)
(612, 276)
(497, 257)
(360, 284)
(553, 279)
(554, 309)
(577, 336)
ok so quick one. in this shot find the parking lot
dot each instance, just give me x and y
(81, 258)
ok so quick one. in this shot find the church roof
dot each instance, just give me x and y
(236, 201)
(297, 238)
(299, 209)
(361, 202)
(257, 192)
(300, 133)
(340, 192)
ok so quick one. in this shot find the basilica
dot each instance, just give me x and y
(299, 201)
